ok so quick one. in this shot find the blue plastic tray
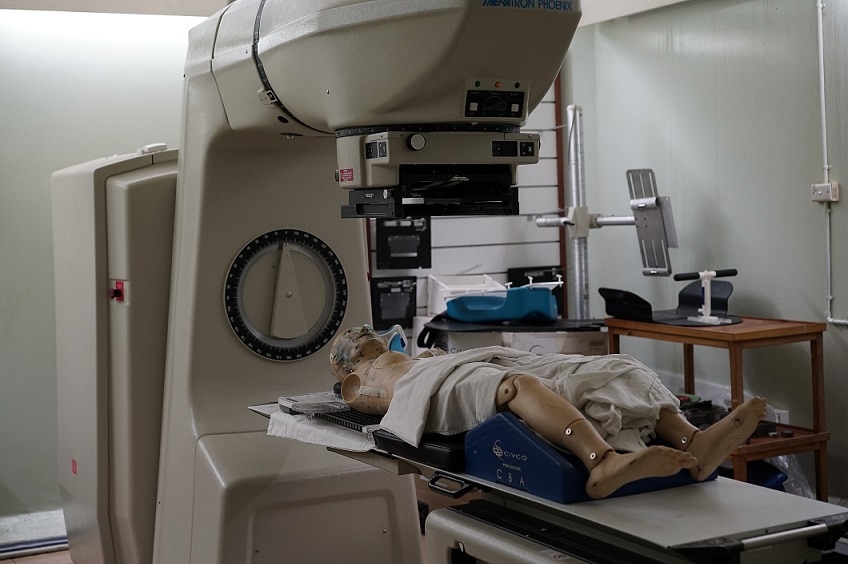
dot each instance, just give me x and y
(516, 304)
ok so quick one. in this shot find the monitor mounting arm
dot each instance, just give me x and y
(651, 216)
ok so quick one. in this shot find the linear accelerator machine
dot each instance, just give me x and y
(284, 102)
(414, 108)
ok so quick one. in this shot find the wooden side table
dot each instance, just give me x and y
(752, 332)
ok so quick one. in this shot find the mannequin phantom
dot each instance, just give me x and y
(533, 388)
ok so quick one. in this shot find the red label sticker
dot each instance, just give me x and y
(73, 466)
(118, 292)
(346, 175)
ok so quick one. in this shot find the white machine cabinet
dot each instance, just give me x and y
(113, 221)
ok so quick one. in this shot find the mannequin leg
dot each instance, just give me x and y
(713, 445)
(564, 425)
(550, 415)
(673, 428)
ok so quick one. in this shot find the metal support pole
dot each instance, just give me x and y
(577, 277)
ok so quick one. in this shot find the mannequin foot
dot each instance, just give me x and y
(713, 445)
(616, 470)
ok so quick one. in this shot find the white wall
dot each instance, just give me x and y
(75, 87)
(721, 99)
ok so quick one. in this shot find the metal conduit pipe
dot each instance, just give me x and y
(825, 165)
(578, 275)
(594, 221)
(607, 220)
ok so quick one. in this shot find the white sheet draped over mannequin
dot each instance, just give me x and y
(453, 393)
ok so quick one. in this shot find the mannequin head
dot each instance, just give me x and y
(355, 345)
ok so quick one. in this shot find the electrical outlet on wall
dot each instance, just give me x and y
(781, 416)
(827, 192)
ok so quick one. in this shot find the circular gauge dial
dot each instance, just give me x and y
(285, 295)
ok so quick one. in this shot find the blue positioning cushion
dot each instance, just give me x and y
(505, 451)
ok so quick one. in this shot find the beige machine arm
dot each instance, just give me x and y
(391, 96)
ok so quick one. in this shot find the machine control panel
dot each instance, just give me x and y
(494, 104)
(513, 148)
(376, 150)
